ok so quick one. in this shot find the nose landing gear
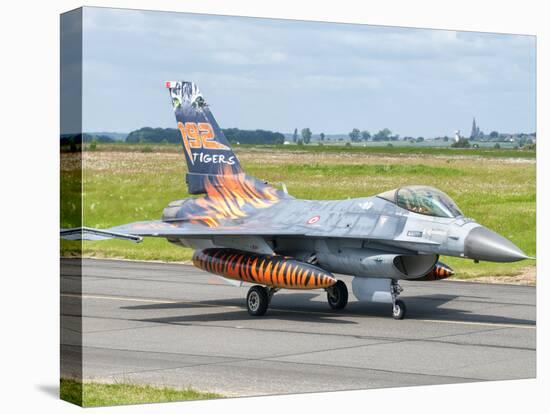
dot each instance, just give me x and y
(399, 309)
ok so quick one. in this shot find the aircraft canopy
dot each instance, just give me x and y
(423, 200)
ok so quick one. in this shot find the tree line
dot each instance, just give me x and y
(304, 137)
(356, 135)
(385, 134)
(234, 135)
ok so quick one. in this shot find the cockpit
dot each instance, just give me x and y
(423, 200)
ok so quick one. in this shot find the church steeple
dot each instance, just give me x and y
(475, 130)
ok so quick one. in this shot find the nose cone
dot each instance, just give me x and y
(484, 244)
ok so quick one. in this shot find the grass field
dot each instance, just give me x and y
(496, 187)
(371, 148)
(94, 394)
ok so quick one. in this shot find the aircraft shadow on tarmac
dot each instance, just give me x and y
(290, 311)
(431, 307)
(301, 307)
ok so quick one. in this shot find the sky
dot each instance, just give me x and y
(281, 74)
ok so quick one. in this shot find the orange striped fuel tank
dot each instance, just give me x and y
(275, 271)
(440, 271)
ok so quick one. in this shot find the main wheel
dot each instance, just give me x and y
(257, 300)
(337, 295)
(399, 310)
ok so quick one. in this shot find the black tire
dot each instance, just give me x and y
(337, 295)
(257, 300)
(399, 310)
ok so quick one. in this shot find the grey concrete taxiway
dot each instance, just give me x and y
(173, 324)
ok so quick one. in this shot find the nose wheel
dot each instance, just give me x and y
(399, 308)
(337, 295)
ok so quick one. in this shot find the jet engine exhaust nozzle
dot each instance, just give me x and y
(484, 244)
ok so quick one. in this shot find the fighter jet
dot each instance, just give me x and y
(249, 231)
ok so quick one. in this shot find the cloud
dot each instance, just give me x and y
(242, 58)
(287, 69)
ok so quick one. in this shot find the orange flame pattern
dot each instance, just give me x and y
(276, 271)
(232, 196)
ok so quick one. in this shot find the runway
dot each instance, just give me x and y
(171, 324)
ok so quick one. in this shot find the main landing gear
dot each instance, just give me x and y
(258, 298)
(337, 295)
(399, 309)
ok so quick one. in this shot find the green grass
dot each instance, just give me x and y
(498, 192)
(401, 150)
(93, 394)
(365, 170)
(371, 148)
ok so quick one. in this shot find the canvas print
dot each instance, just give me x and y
(260, 206)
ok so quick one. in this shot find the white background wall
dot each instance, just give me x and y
(29, 280)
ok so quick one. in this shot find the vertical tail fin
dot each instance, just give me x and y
(207, 150)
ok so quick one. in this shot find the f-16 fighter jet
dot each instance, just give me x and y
(244, 229)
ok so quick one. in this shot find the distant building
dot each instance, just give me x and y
(457, 135)
(476, 132)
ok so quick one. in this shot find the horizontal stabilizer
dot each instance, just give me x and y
(88, 233)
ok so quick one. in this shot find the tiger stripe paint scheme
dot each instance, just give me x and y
(273, 271)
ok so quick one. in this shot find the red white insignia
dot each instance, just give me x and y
(313, 220)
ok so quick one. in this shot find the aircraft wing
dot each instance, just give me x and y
(136, 231)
